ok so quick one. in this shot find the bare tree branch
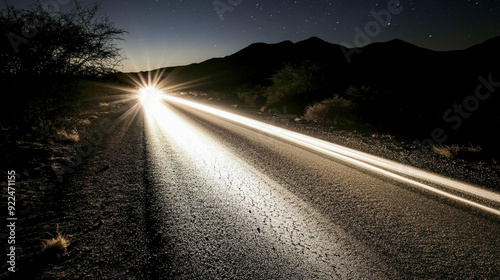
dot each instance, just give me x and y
(36, 42)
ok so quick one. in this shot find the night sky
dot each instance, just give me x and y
(167, 33)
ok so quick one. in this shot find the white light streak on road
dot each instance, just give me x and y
(369, 162)
(219, 178)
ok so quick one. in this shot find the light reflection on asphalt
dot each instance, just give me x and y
(243, 199)
(407, 174)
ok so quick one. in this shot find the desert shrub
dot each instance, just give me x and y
(252, 95)
(295, 86)
(336, 111)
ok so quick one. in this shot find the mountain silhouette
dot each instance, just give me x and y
(416, 86)
(391, 64)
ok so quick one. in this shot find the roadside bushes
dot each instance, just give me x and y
(252, 95)
(334, 111)
(306, 89)
(295, 86)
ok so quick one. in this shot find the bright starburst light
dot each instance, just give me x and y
(149, 95)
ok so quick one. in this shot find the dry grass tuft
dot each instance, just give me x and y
(65, 136)
(57, 245)
(456, 150)
(446, 151)
(474, 149)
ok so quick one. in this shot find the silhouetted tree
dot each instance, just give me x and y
(44, 53)
(40, 42)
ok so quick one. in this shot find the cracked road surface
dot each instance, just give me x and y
(221, 217)
(188, 195)
(224, 201)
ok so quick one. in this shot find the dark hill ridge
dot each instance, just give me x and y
(376, 63)
(419, 85)
(396, 44)
(254, 64)
(487, 45)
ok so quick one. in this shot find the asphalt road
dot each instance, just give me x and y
(172, 192)
(224, 201)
